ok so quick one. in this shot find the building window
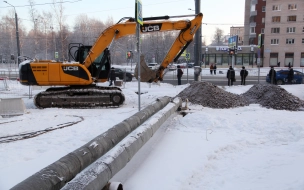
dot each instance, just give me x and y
(302, 60)
(291, 29)
(276, 7)
(252, 30)
(292, 18)
(252, 8)
(263, 9)
(276, 19)
(262, 30)
(273, 59)
(288, 59)
(303, 30)
(274, 41)
(263, 20)
(275, 30)
(302, 40)
(292, 6)
(289, 41)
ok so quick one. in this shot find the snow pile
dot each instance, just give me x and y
(269, 96)
(209, 95)
(273, 96)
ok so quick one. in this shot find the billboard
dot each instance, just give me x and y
(233, 42)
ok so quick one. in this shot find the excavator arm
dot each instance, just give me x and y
(187, 30)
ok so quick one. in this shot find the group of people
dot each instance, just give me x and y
(231, 76)
(272, 75)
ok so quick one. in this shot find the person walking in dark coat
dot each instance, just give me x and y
(230, 76)
(179, 75)
(244, 74)
(214, 69)
(290, 75)
(272, 75)
(112, 76)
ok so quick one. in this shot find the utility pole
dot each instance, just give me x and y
(198, 41)
(17, 32)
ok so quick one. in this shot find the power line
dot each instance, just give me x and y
(44, 4)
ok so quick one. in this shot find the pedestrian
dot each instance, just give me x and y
(211, 69)
(112, 76)
(290, 75)
(214, 69)
(272, 75)
(230, 76)
(289, 65)
(244, 74)
(179, 75)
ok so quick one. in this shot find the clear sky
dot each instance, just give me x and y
(217, 13)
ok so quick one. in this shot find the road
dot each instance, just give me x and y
(217, 80)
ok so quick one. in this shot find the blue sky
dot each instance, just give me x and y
(217, 13)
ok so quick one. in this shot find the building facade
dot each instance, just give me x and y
(245, 56)
(281, 24)
(284, 33)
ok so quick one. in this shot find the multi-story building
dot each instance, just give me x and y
(284, 33)
(281, 23)
(254, 20)
(239, 31)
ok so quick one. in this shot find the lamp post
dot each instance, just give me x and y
(17, 32)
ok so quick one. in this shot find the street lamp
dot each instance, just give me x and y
(17, 33)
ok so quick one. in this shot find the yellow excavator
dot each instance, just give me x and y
(75, 82)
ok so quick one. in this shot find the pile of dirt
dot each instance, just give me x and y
(269, 96)
(272, 96)
(209, 95)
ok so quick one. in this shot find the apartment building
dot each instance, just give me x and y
(284, 33)
(238, 30)
(281, 23)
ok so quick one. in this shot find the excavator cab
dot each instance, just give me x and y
(99, 68)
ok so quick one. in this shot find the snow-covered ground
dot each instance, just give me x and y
(239, 148)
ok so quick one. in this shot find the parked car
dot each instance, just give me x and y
(153, 66)
(281, 77)
(172, 67)
(120, 74)
(190, 65)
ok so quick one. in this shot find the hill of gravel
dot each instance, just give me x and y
(273, 96)
(267, 95)
(209, 95)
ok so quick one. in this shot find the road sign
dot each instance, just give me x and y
(139, 17)
(187, 56)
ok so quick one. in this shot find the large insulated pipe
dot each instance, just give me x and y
(98, 174)
(56, 175)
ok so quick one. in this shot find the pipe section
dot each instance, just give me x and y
(56, 175)
(98, 174)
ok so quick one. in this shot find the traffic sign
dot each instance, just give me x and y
(187, 56)
(138, 13)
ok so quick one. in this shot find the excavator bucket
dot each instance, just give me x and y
(146, 74)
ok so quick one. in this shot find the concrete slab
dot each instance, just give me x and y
(12, 107)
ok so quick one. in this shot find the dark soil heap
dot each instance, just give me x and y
(209, 95)
(273, 96)
(269, 96)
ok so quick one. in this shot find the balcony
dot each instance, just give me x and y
(254, 2)
(253, 13)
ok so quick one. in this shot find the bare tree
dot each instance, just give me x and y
(218, 37)
(63, 30)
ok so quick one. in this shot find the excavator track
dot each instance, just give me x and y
(80, 97)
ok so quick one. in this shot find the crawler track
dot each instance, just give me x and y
(80, 97)
(23, 136)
